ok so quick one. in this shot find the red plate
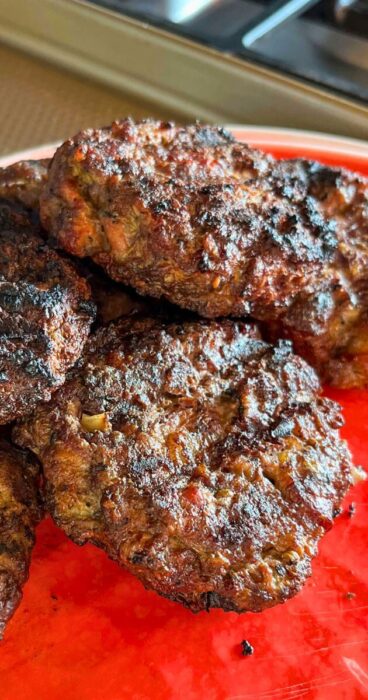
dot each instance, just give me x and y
(86, 630)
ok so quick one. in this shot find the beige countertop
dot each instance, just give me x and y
(40, 103)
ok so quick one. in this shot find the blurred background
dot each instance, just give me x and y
(67, 64)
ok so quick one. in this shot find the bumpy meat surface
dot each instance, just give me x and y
(212, 225)
(45, 315)
(114, 300)
(23, 182)
(20, 511)
(328, 319)
(165, 209)
(198, 456)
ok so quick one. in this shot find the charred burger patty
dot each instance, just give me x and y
(45, 315)
(20, 512)
(198, 456)
(191, 215)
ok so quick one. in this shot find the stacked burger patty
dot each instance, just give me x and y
(177, 421)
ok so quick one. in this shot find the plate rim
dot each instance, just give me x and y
(272, 136)
(314, 140)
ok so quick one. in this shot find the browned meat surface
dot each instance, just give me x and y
(45, 315)
(137, 199)
(23, 181)
(212, 225)
(20, 512)
(114, 300)
(328, 319)
(198, 456)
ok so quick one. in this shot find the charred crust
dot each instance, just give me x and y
(46, 313)
(189, 215)
(246, 648)
(211, 467)
(20, 511)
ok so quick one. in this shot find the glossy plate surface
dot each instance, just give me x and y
(87, 630)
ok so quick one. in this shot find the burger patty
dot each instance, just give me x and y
(155, 204)
(20, 512)
(328, 319)
(23, 182)
(191, 215)
(200, 457)
(45, 315)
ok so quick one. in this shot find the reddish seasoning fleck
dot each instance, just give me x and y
(351, 510)
(194, 495)
(79, 154)
(349, 595)
(246, 648)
